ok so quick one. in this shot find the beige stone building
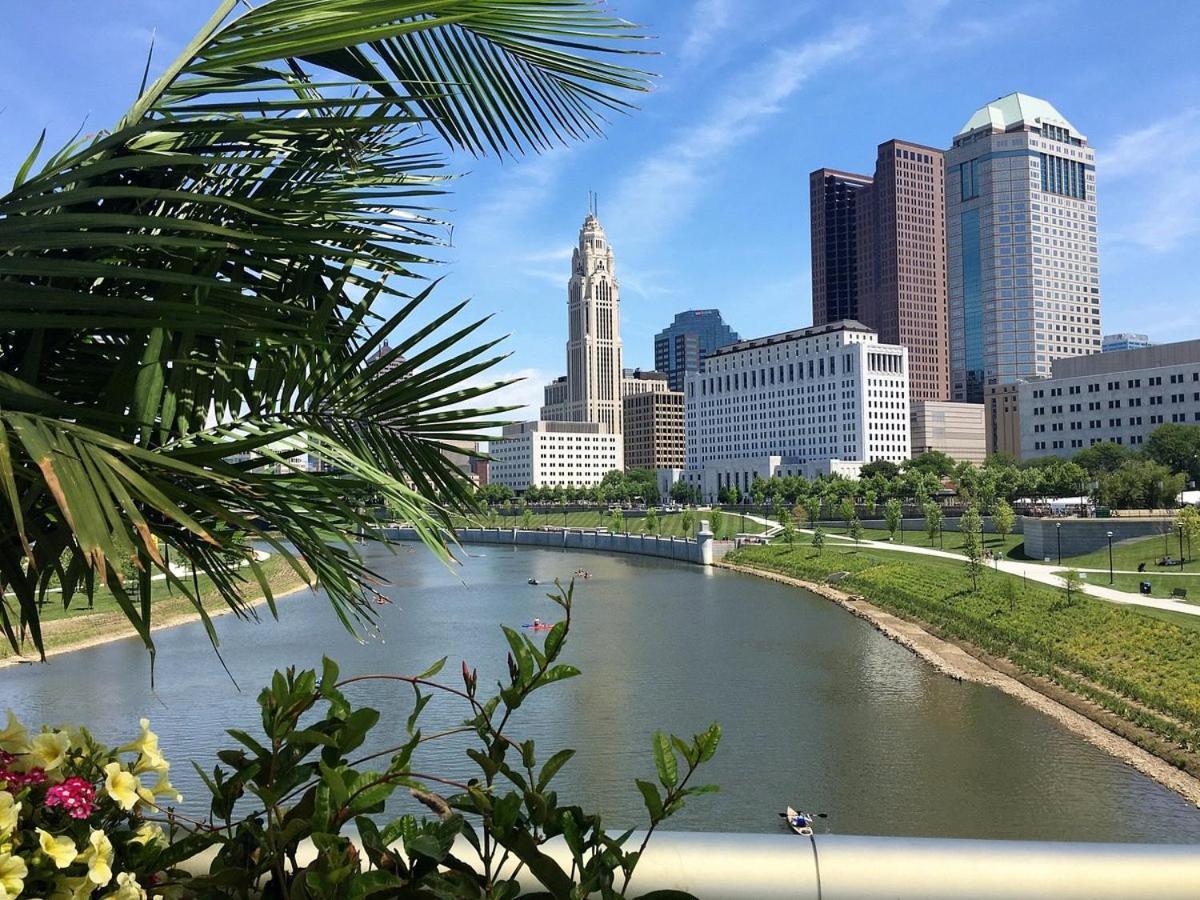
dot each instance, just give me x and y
(1002, 419)
(956, 429)
(592, 389)
(654, 429)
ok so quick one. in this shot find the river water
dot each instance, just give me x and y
(818, 709)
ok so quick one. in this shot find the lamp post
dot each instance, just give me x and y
(1110, 560)
(1180, 548)
(1058, 532)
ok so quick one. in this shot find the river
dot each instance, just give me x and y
(818, 709)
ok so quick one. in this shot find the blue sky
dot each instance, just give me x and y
(704, 191)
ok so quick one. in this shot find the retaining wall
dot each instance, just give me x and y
(581, 539)
(918, 525)
(1081, 536)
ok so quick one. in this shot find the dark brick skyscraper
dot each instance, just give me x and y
(834, 202)
(895, 224)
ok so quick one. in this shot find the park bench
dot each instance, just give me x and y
(1179, 594)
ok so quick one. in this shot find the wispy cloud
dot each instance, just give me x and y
(1155, 171)
(709, 20)
(663, 187)
(526, 392)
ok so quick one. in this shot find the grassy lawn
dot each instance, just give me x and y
(951, 541)
(669, 524)
(1161, 585)
(1127, 555)
(1124, 653)
(78, 623)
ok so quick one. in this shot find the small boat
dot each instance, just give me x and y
(799, 822)
(532, 581)
(539, 626)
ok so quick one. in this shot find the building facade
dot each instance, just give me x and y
(895, 224)
(833, 219)
(1124, 341)
(654, 435)
(1021, 237)
(956, 429)
(592, 390)
(819, 400)
(1118, 397)
(554, 454)
(1002, 419)
(683, 345)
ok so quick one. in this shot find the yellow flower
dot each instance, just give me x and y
(48, 750)
(9, 811)
(79, 888)
(98, 856)
(59, 849)
(149, 833)
(125, 787)
(14, 738)
(127, 888)
(146, 744)
(12, 875)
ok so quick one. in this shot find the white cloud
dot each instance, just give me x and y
(663, 187)
(527, 391)
(708, 21)
(1155, 176)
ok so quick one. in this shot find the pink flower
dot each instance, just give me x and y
(75, 795)
(17, 780)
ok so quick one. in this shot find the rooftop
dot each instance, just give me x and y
(811, 331)
(1011, 110)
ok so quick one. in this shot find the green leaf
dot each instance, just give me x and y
(551, 767)
(653, 800)
(433, 670)
(708, 742)
(664, 761)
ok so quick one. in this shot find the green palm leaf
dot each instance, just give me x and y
(190, 302)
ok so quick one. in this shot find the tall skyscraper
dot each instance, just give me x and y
(1022, 265)
(683, 345)
(833, 217)
(592, 391)
(894, 224)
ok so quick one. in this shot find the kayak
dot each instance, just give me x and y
(544, 627)
(798, 822)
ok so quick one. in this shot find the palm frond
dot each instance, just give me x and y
(191, 301)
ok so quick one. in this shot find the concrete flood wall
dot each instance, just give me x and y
(1081, 536)
(581, 539)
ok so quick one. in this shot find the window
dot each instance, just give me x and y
(968, 174)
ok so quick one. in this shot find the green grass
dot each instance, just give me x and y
(951, 541)
(78, 624)
(669, 524)
(1122, 652)
(1127, 555)
(1160, 585)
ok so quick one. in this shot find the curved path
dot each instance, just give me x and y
(1035, 572)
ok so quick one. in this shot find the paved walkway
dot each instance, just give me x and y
(1038, 572)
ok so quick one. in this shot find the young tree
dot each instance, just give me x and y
(971, 527)
(818, 538)
(616, 522)
(785, 516)
(789, 533)
(527, 520)
(1004, 520)
(847, 511)
(687, 523)
(870, 499)
(893, 511)
(651, 520)
(856, 529)
(933, 520)
(1189, 520)
(1072, 583)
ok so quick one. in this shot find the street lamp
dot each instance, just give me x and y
(1180, 548)
(1058, 531)
(1110, 561)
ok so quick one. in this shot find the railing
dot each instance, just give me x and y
(824, 867)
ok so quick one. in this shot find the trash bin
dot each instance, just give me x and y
(1145, 587)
